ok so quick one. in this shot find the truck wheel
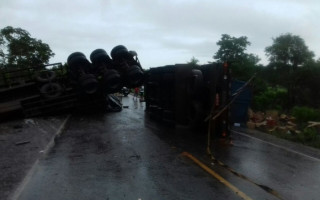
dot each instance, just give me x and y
(88, 83)
(134, 76)
(112, 81)
(45, 76)
(78, 60)
(51, 90)
(118, 52)
(99, 56)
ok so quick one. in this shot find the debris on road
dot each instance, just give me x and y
(313, 124)
(272, 121)
(29, 122)
(22, 142)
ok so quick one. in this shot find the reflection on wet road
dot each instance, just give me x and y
(125, 156)
(293, 174)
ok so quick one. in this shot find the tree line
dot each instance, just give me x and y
(19, 50)
(291, 78)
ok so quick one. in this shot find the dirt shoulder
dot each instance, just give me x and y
(22, 143)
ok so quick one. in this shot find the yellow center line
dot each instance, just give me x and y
(217, 176)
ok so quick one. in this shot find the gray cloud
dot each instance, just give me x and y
(161, 32)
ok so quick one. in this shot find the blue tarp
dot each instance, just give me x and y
(239, 108)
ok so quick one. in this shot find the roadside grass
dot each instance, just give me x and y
(309, 137)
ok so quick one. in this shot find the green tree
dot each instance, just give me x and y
(193, 61)
(19, 50)
(233, 51)
(289, 50)
(287, 54)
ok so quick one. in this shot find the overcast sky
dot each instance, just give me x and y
(161, 32)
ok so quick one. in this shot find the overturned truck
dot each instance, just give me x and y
(189, 95)
(79, 85)
(181, 94)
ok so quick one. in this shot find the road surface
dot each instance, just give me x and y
(125, 155)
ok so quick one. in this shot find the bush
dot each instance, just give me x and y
(258, 85)
(305, 114)
(271, 98)
(308, 135)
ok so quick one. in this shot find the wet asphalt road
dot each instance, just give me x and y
(126, 156)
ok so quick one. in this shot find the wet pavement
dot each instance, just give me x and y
(292, 173)
(125, 155)
(22, 142)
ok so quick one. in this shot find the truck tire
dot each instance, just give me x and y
(51, 90)
(134, 76)
(99, 56)
(45, 76)
(112, 81)
(76, 58)
(88, 83)
(119, 51)
(77, 61)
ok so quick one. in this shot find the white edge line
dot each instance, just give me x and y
(281, 147)
(57, 134)
(30, 173)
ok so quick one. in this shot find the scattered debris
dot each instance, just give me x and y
(312, 124)
(272, 114)
(272, 121)
(29, 122)
(138, 157)
(22, 142)
(251, 124)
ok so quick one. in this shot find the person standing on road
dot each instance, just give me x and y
(136, 94)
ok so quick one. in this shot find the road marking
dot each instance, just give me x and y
(57, 134)
(281, 147)
(264, 187)
(30, 173)
(217, 176)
